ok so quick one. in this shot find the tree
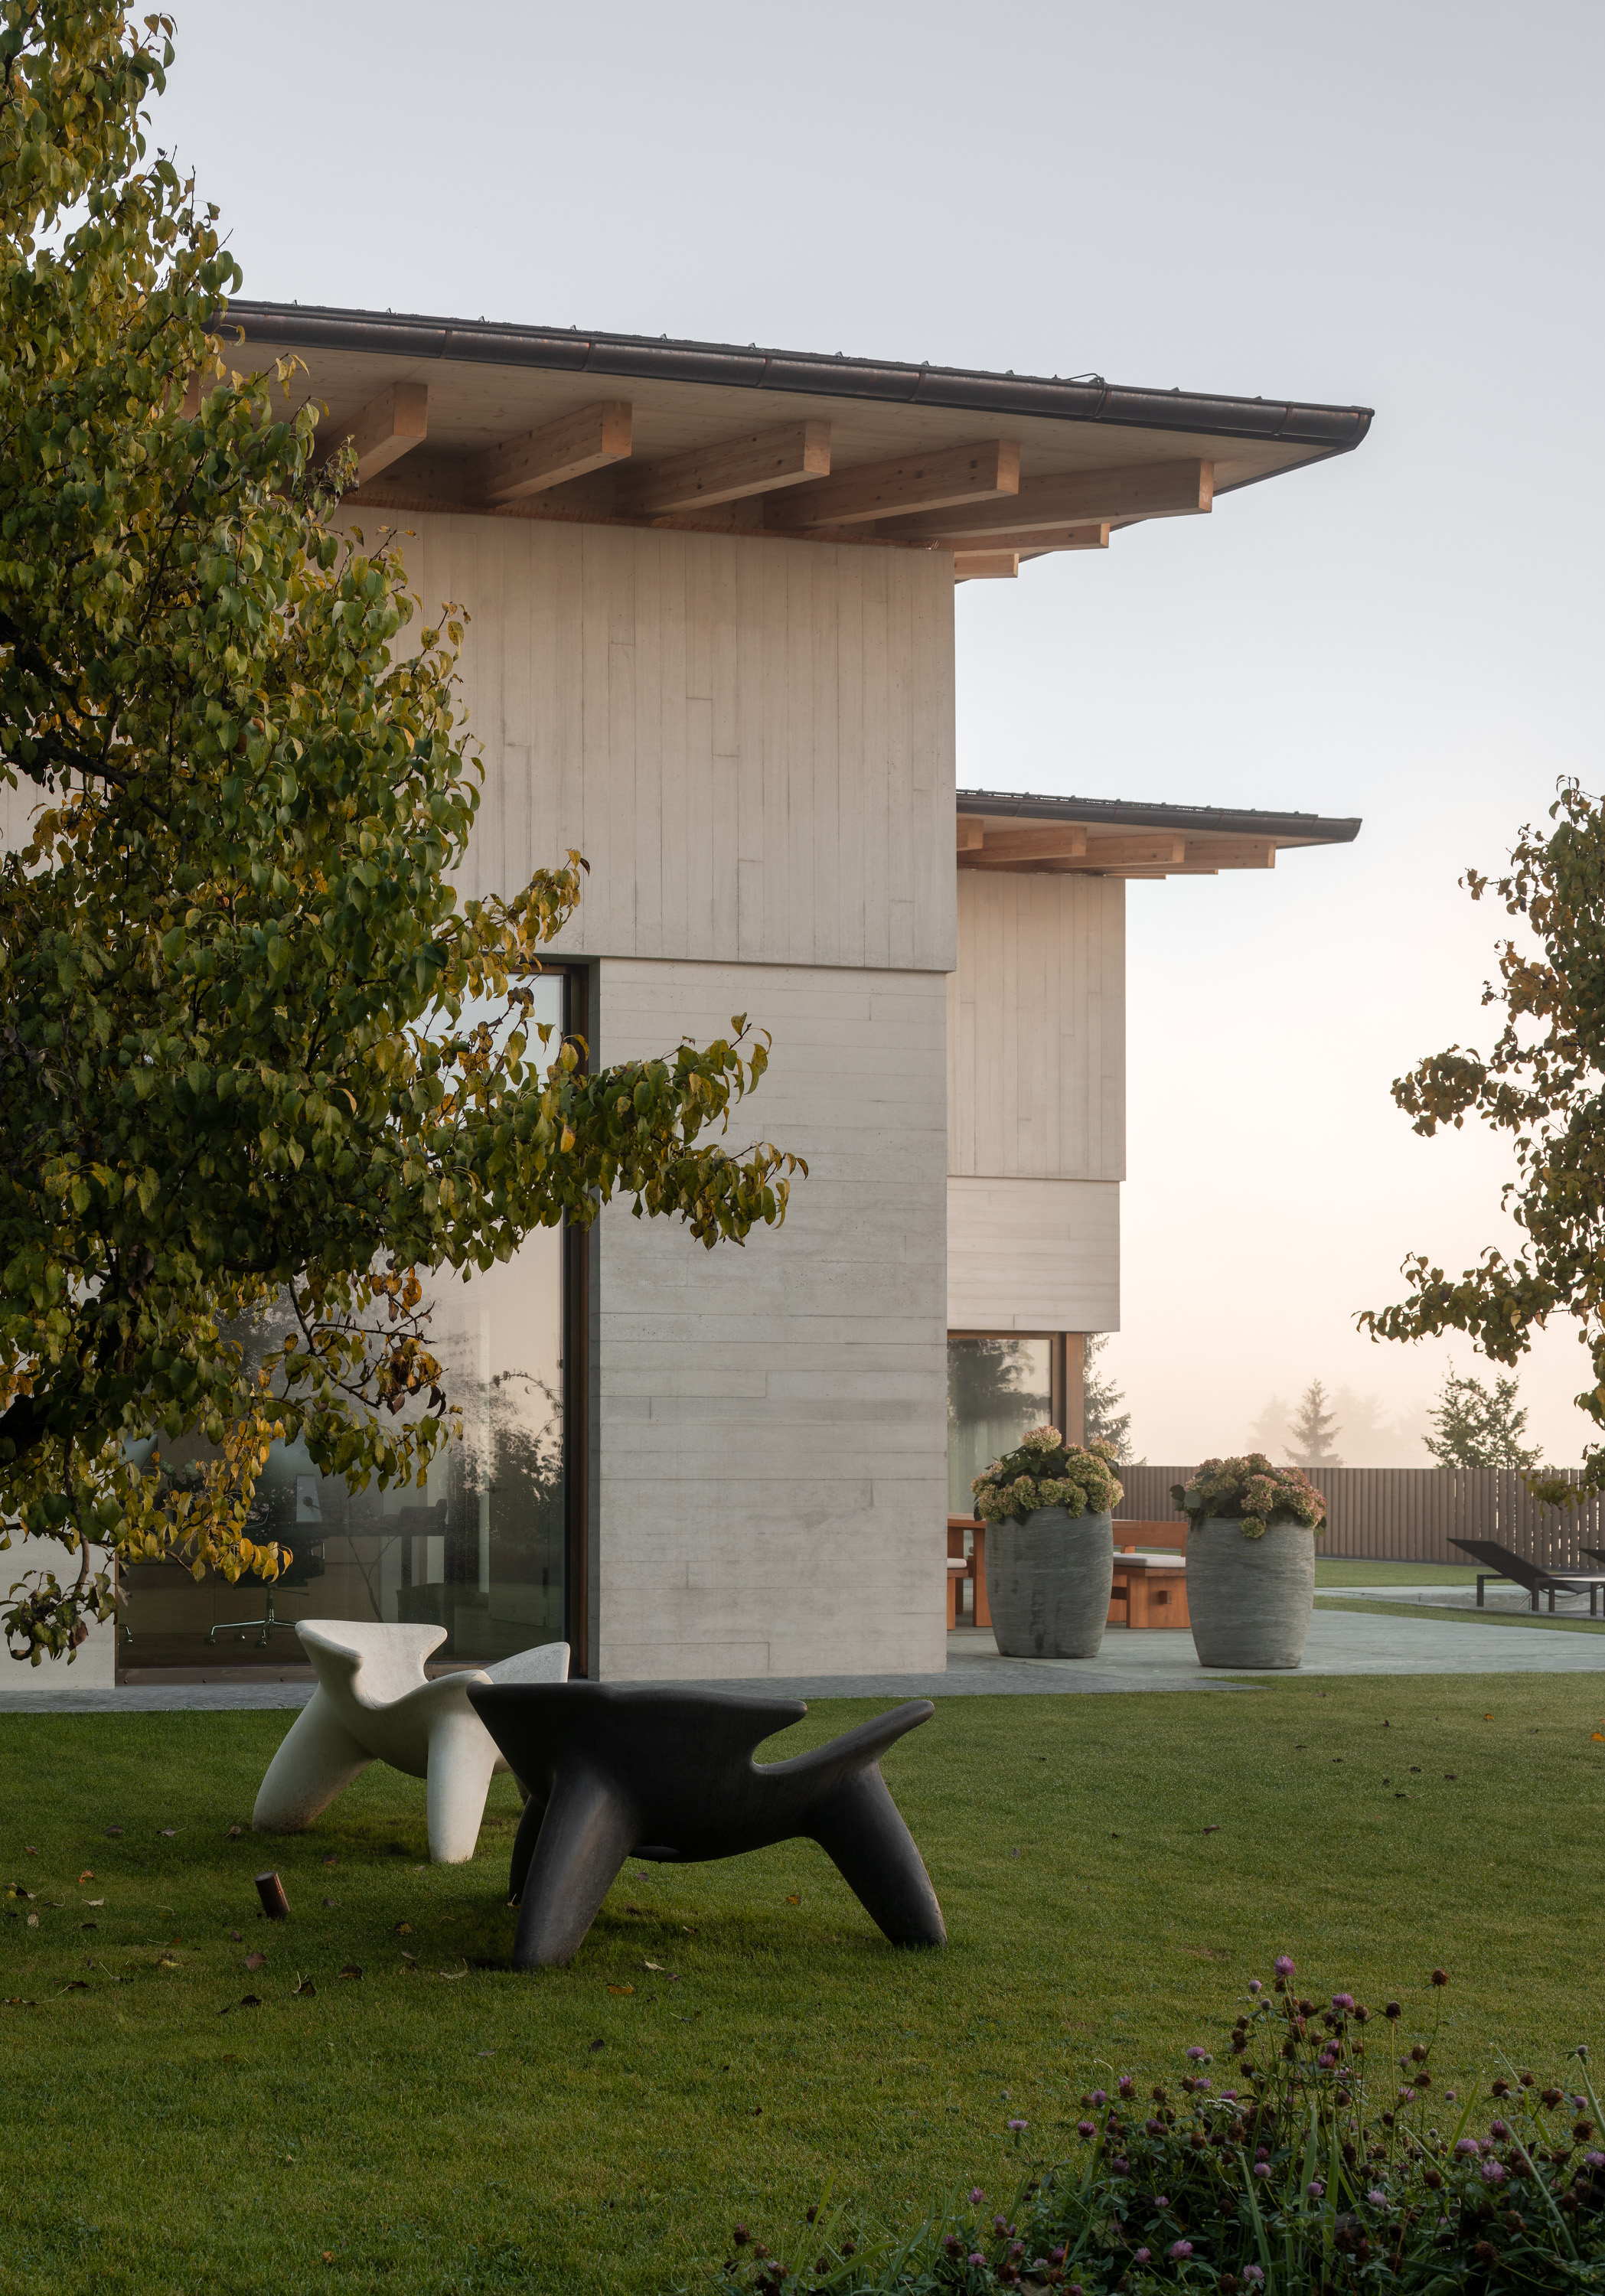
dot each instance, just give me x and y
(255, 1063)
(1475, 1427)
(1315, 1431)
(1103, 1419)
(1541, 1084)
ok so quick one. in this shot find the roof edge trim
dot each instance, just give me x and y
(484, 342)
(1016, 805)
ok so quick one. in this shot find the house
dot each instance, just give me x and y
(711, 646)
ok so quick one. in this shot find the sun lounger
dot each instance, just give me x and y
(1496, 1562)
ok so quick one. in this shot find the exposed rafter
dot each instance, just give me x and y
(939, 481)
(1076, 498)
(388, 427)
(1034, 542)
(756, 464)
(586, 440)
(985, 565)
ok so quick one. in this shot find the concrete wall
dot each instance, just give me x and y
(1036, 1104)
(770, 1477)
(93, 1666)
(750, 741)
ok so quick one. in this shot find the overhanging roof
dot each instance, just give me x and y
(1114, 837)
(515, 422)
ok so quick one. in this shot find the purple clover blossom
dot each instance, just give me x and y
(1017, 2127)
(1315, 2189)
(1492, 2172)
(1377, 2197)
(976, 2196)
(1498, 2128)
(1180, 2251)
(1284, 1965)
(1595, 2159)
(1100, 2096)
(1142, 2255)
(1198, 2056)
(1086, 2128)
(1126, 2084)
(975, 2257)
(1256, 1986)
(1255, 2273)
(1343, 2001)
(1406, 2096)
(1467, 2145)
(1261, 2168)
(1120, 2167)
(1161, 2200)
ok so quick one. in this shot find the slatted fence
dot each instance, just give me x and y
(1409, 1514)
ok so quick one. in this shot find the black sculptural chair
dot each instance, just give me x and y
(669, 1775)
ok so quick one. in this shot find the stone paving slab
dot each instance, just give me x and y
(1340, 1643)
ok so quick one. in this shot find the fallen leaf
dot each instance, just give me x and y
(169, 1832)
(451, 1975)
(404, 1928)
(29, 1850)
(113, 1831)
(595, 2044)
(328, 1904)
(306, 1986)
(84, 1876)
(94, 1901)
(250, 2001)
(33, 1921)
(796, 1900)
(350, 1970)
(166, 1961)
(1212, 1829)
(231, 2056)
(256, 1961)
(1597, 1736)
(89, 1925)
(75, 1984)
(621, 1988)
(484, 2052)
(234, 1831)
(15, 1889)
(330, 1859)
(658, 1965)
(688, 1929)
(236, 1935)
(409, 1960)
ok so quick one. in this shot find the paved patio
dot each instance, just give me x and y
(1341, 1642)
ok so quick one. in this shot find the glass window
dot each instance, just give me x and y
(997, 1389)
(480, 1550)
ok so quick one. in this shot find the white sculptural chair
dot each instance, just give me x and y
(375, 1703)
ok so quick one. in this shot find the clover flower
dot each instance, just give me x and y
(1142, 2255)
(1198, 2056)
(1343, 2001)
(1254, 2273)
(1494, 2172)
(1180, 2251)
(1377, 2197)
(1284, 1965)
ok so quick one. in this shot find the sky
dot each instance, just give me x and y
(1395, 206)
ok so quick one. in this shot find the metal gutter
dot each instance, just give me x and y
(1014, 804)
(404, 336)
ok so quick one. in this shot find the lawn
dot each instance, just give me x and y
(1340, 1571)
(734, 2040)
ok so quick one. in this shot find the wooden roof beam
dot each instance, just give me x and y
(755, 465)
(575, 444)
(985, 565)
(388, 428)
(1034, 542)
(1158, 850)
(1010, 849)
(1214, 853)
(1073, 498)
(947, 477)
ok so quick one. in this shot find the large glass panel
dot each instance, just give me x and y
(997, 1390)
(480, 1550)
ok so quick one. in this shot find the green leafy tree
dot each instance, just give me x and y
(256, 1059)
(1541, 1085)
(1475, 1426)
(1102, 1418)
(1315, 1431)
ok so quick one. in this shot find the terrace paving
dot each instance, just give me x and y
(1341, 1642)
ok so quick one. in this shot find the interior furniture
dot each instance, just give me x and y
(667, 1774)
(375, 1703)
(972, 1570)
(1503, 1562)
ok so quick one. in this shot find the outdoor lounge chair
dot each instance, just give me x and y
(1498, 1562)
(375, 1702)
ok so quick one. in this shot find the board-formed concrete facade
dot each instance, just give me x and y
(751, 742)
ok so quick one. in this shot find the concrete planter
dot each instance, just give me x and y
(1251, 1599)
(1048, 1582)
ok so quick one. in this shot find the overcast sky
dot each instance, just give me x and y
(1396, 205)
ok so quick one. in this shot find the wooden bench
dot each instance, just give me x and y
(1149, 1594)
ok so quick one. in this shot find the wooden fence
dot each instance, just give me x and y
(1409, 1514)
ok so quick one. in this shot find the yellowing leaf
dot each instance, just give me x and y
(621, 1988)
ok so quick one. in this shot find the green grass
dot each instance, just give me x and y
(1386, 1610)
(1335, 1570)
(455, 2129)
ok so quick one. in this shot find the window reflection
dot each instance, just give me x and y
(997, 1389)
(479, 1550)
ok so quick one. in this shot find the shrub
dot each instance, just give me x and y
(1252, 1492)
(1047, 1472)
(1330, 2163)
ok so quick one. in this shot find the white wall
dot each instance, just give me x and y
(1033, 1255)
(750, 741)
(770, 1477)
(94, 1663)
